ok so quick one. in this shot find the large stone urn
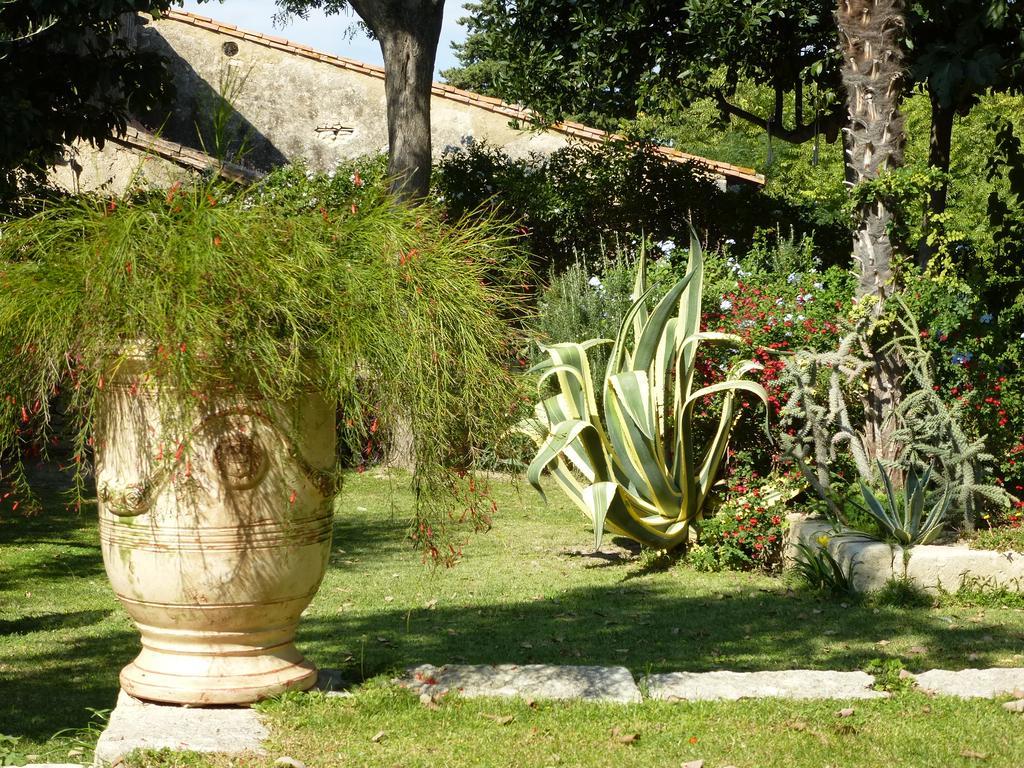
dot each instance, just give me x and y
(216, 532)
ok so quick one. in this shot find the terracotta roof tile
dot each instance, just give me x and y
(568, 128)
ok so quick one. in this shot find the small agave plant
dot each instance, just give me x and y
(903, 517)
(635, 465)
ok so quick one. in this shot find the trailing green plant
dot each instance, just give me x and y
(819, 570)
(10, 754)
(984, 591)
(635, 464)
(383, 307)
(889, 677)
(903, 516)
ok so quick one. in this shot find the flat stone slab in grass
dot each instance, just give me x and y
(537, 681)
(788, 684)
(973, 683)
(140, 725)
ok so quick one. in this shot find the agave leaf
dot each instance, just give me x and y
(620, 356)
(878, 510)
(936, 519)
(635, 450)
(653, 332)
(598, 497)
(914, 495)
(690, 301)
(640, 291)
(560, 437)
(634, 392)
(890, 494)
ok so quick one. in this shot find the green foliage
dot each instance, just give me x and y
(819, 570)
(977, 591)
(75, 77)
(1005, 205)
(638, 469)
(960, 49)
(9, 752)
(386, 308)
(903, 517)
(582, 198)
(746, 532)
(609, 59)
(888, 676)
(902, 592)
(1004, 538)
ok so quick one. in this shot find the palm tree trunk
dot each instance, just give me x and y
(869, 32)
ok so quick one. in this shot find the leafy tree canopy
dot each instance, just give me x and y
(610, 59)
(67, 73)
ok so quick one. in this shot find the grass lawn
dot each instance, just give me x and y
(526, 592)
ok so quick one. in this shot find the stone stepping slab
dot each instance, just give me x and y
(231, 730)
(535, 681)
(973, 683)
(787, 684)
(136, 724)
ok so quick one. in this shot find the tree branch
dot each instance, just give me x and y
(828, 125)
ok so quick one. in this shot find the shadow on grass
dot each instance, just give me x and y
(51, 621)
(84, 563)
(61, 689)
(648, 629)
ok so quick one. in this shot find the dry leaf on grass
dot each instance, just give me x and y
(378, 737)
(974, 755)
(624, 738)
(499, 719)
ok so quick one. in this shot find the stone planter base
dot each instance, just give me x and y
(873, 562)
(200, 668)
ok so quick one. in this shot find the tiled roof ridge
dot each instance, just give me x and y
(183, 155)
(443, 90)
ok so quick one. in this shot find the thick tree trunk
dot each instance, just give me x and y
(869, 32)
(408, 32)
(938, 157)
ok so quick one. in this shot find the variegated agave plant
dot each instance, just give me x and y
(635, 464)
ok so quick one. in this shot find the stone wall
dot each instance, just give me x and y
(287, 102)
(291, 106)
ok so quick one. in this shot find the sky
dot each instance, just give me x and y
(326, 33)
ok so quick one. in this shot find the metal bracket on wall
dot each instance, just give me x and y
(334, 130)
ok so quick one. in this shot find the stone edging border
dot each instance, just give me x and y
(138, 725)
(873, 563)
